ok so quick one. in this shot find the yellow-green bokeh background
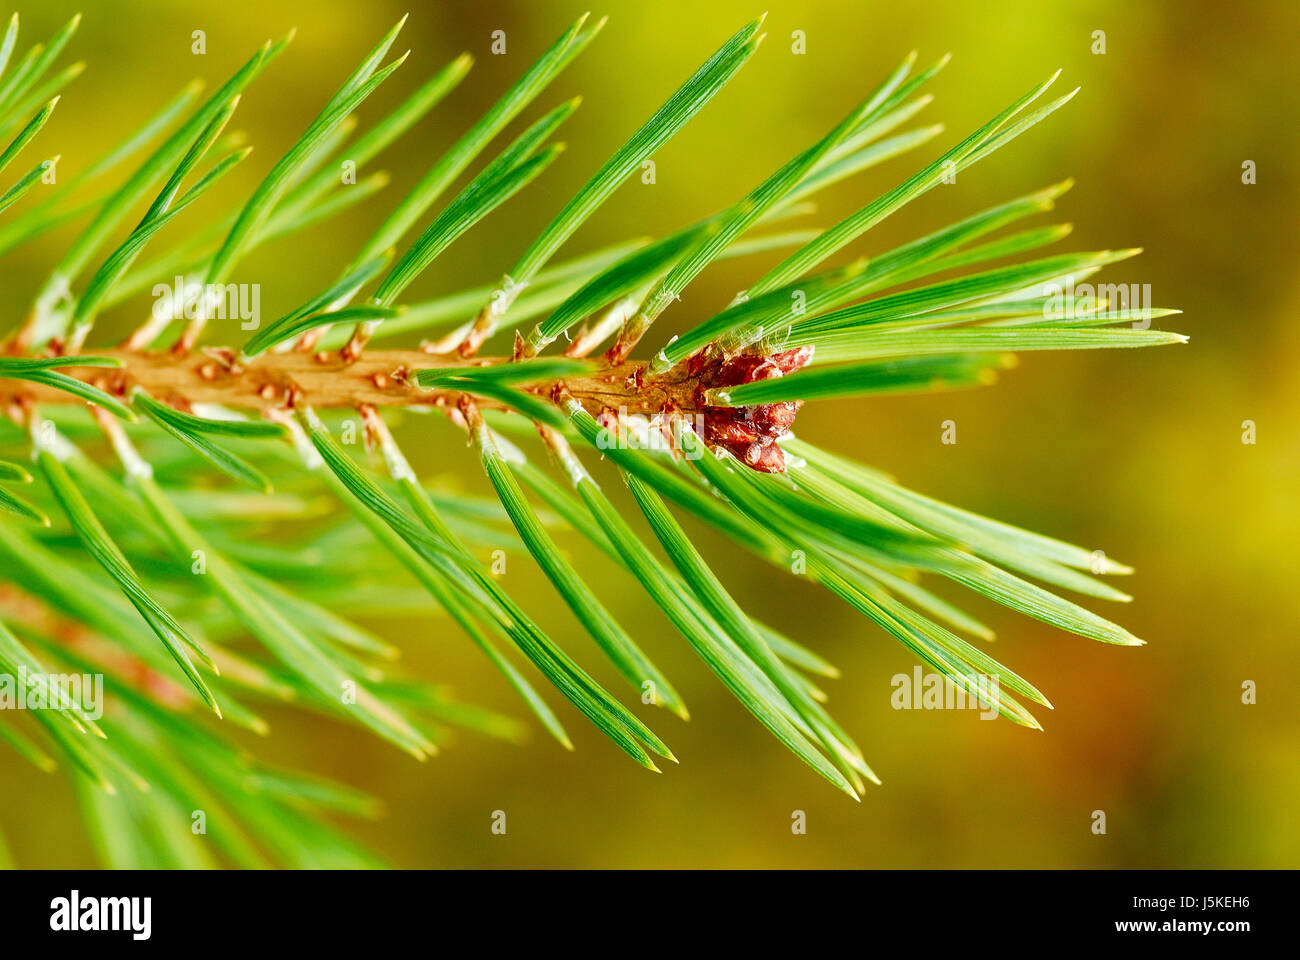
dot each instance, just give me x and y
(1137, 453)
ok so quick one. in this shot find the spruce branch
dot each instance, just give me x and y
(152, 567)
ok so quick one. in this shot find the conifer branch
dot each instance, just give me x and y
(148, 566)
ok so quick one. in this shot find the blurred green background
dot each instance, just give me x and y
(1137, 453)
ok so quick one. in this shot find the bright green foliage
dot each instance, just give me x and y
(199, 620)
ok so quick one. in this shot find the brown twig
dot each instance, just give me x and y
(378, 378)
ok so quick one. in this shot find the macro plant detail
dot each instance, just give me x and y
(155, 491)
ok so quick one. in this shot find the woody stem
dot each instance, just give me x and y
(378, 377)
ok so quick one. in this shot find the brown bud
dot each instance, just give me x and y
(750, 433)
